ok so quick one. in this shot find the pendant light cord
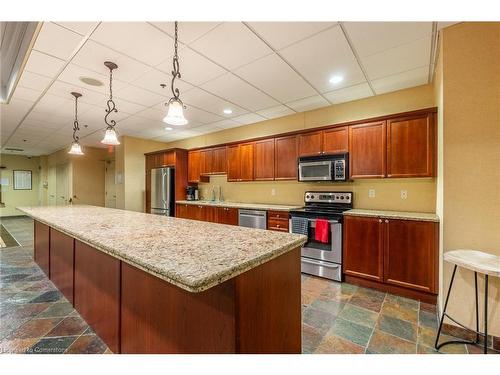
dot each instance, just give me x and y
(110, 103)
(76, 126)
(176, 69)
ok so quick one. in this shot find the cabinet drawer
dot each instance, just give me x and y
(277, 224)
(279, 215)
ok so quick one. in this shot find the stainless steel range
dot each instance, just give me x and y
(322, 257)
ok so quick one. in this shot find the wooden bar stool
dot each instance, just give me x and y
(479, 262)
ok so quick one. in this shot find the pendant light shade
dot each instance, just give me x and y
(110, 137)
(75, 149)
(175, 114)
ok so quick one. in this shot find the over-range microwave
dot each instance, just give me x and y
(333, 168)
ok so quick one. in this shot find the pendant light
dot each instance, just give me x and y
(110, 137)
(76, 149)
(175, 114)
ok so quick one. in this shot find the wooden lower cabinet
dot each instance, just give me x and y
(398, 256)
(42, 249)
(221, 215)
(62, 256)
(278, 221)
(97, 292)
(226, 215)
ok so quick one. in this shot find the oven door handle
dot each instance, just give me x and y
(329, 221)
(316, 263)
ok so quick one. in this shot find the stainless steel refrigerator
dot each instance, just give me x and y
(163, 191)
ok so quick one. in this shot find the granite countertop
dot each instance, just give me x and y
(194, 255)
(250, 206)
(420, 216)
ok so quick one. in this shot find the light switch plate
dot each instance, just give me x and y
(273, 192)
(404, 194)
(371, 193)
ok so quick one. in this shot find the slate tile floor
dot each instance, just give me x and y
(336, 318)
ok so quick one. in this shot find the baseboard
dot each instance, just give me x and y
(462, 333)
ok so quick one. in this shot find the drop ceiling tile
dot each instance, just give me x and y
(73, 72)
(89, 96)
(211, 103)
(82, 28)
(197, 115)
(33, 81)
(348, 94)
(26, 94)
(398, 59)
(206, 129)
(40, 118)
(401, 81)
(238, 91)
(153, 114)
(140, 96)
(274, 112)
(373, 37)
(306, 104)
(275, 77)
(140, 40)
(93, 55)
(188, 31)
(282, 34)
(322, 56)
(194, 68)
(134, 123)
(57, 41)
(43, 64)
(226, 124)
(152, 80)
(249, 118)
(231, 45)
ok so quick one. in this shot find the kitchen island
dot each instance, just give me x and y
(155, 284)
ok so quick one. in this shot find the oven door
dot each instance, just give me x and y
(316, 170)
(329, 252)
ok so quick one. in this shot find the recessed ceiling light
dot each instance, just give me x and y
(228, 111)
(336, 79)
(90, 81)
(167, 128)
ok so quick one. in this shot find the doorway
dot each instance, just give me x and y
(62, 184)
(110, 184)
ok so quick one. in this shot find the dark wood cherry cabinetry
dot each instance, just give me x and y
(336, 140)
(226, 215)
(42, 249)
(367, 150)
(240, 163)
(264, 159)
(310, 143)
(221, 215)
(219, 160)
(194, 166)
(363, 247)
(206, 161)
(410, 146)
(278, 221)
(398, 256)
(285, 158)
(62, 256)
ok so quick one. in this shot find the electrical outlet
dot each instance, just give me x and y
(404, 194)
(371, 193)
(273, 192)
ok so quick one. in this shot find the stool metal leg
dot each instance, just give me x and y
(444, 310)
(477, 309)
(485, 314)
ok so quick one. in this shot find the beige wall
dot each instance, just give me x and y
(421, 192)
(130, 163)
(471, 175)
(15, 198)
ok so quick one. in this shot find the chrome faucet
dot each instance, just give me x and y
(221, 198)
(213, 194)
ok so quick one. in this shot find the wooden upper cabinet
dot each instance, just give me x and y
(233, 163)
(206, 161)
(285, 158)
(219, 160)
(264, 159)
(411, 254)
(246, 161)
(310, 143)
(411, 146)
(367, 143)
(193, 166)
(336, 140)
(169, 158)
(363, 247)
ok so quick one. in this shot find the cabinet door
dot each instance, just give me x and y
(411, 146)
(206, 161)
(264, 159)
(62, 255)
(367, 143)
(410, 254)
(285, 158)
(169, 158)
(209, 214)
(219, 161)
(246, 162)
(181, 211)
(336, 140)
(42, 250)
(226, 215)
(193, 166)
(192, 212)
(363, 247)
(310, 143)
(233, 163)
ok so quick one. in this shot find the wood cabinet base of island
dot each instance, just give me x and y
(133, 311)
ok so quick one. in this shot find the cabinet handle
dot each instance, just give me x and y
(379, 220)
(277, 225)
(387, 221)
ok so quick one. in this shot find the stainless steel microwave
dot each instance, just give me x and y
(333, 168)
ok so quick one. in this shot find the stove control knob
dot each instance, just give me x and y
(308, 196)
(312, 196)
(341, 197)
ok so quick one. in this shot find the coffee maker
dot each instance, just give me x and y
(192, 193)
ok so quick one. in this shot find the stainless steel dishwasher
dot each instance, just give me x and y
(253, 219)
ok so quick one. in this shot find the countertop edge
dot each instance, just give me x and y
(414, 216)
(201, 285)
